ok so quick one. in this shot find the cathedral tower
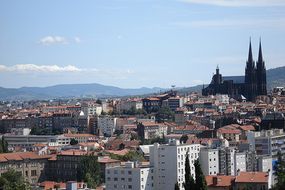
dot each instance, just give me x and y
(250, 77)
(261, 73)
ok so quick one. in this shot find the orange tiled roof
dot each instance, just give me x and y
(252, 177)
(219, 181)
(17, 156)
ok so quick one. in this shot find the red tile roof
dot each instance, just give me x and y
(17, 156)
(252, 177)
(219, 181)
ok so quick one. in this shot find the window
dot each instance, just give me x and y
(129, 179)
(130, 172)
(115, 186)
(122, 179)
(130, 186)
(34, 173)
(115, 172)
(115, 179)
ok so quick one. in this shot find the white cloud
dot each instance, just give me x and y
(77, 39)
(238, 3)
(231, 23)
(38, 68)
(32, 68)
(50, 40)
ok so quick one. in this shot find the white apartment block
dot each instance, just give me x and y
(107, 124)
(91, 108)
(240, 162)
(209, 160)
(264, 164)
(131, 176)
(168, 162)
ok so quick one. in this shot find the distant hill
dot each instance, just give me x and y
(71, 90)
(275, 77)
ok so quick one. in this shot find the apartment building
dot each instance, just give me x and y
(168, 162)
(130, 176)
(150, 130)
(209, 159)
(106, 124)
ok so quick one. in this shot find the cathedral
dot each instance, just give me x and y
(250, 86)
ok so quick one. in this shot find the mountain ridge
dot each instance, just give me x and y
(275, 77)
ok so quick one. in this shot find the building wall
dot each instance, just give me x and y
(169, 163)
(129, 177)
(209, 159)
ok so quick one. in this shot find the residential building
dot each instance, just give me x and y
(240, 162)
(270, 142)
(106, 124)
(150, 130)
(227, 161)
(130, 176)
(252, 180)
(175, 102)
(91, 108)
(209, 159)
(168, 162)
(30, 165)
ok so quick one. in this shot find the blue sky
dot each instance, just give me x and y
(135, 43)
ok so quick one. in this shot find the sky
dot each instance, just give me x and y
(135, 43)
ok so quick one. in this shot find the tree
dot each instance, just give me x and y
(201, 183)
(164, 114)
(13, 180)
(279, 172)
(183, 139)
(130, 156)
(3, 146)
(189, 180)
(176, 187)
(73, 142)
(89, 171)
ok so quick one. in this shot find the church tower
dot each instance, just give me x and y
(261, 73)
(250, 77)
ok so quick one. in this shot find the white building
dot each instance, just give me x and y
(209, 159)
(240, 162)
(131, 176)
(20, 131)
(91, 108)
(168, 162)
(264, 164)
(106, 124)
(27, 141)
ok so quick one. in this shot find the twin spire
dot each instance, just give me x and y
(250, 57)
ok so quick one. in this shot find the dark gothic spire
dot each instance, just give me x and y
(250, 58)
(260, 58)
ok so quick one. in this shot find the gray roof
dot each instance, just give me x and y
(235, 79)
